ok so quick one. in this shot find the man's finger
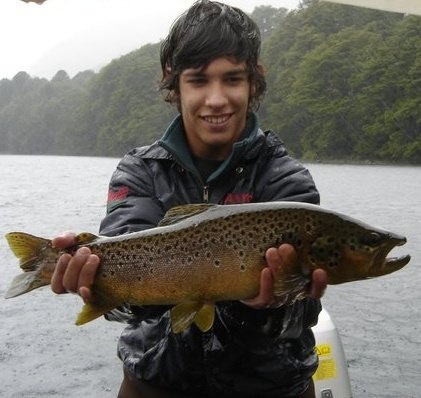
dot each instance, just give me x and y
(87, 276)
(59, 271)
(71, 276)
(318, 283)
(66, 239)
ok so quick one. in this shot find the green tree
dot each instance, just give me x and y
(343, 83)
(268, 19)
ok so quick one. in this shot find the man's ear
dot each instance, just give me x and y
(171, 96)
(261, 70)
(166, 73)
(256, 88)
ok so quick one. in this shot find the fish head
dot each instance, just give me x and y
(355, 251)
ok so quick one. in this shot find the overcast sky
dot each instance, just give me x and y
(76, 35)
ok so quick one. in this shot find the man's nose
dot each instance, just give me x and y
(216, 96)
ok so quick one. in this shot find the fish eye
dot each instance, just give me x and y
(372, 239)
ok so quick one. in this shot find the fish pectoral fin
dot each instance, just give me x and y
(205, 317)
(290, 284)
(186, 313)
(91, 311)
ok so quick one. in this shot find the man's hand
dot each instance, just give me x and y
(74, 274)
(276, 258)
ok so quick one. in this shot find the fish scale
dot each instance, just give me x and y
(201, 254)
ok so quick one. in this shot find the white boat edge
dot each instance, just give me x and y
(331, 379)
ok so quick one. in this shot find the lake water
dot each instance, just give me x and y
(43, 354)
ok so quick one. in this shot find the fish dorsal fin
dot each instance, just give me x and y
(178, 213)
(85, 238)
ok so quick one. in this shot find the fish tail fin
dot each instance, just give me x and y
(92, 310)
(37, 259)
(185, 314)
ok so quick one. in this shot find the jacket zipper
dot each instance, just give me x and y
(206, 193)
(205, 190)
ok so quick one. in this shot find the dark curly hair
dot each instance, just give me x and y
(206, 31)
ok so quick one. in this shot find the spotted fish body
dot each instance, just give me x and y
(201, 254)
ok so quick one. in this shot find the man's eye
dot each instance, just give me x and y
(197, 80)
(235, 79)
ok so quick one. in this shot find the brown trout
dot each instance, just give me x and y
(201, 254)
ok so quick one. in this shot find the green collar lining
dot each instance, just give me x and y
(174, 141)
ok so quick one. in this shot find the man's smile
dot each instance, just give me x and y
(217, 119)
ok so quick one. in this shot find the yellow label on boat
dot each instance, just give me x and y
(326, 370)
(327, 364)
(324, 350)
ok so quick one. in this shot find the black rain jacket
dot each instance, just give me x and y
(247, 353)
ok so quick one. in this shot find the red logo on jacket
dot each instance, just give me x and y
(237, 198)
(116, 196)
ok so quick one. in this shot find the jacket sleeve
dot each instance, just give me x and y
(284, 178)
(131, 206)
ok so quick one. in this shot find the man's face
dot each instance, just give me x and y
(214, 102)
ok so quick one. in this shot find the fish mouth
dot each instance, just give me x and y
(391, 264)
(397, 262)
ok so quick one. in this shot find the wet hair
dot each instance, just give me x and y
(206, 31)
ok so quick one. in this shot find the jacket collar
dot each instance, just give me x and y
(174, 141)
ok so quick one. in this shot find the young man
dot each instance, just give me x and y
(212, 152)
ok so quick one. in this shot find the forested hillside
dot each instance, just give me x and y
(344, 83)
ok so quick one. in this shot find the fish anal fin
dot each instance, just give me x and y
(183, 315)
(178, 213)
(91, 311)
